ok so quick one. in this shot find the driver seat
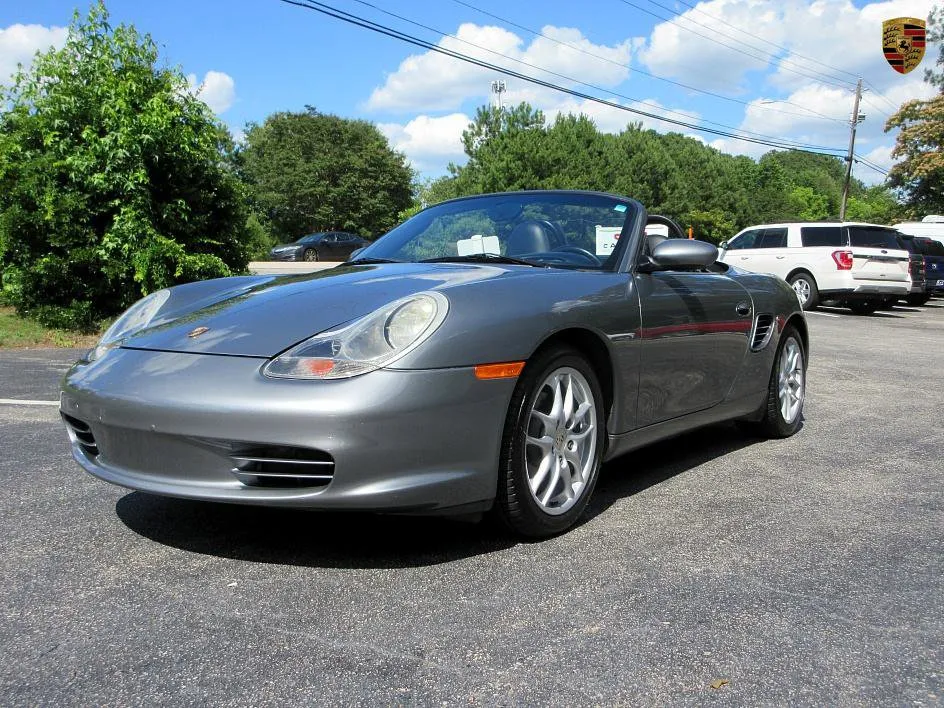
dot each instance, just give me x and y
(528, 237)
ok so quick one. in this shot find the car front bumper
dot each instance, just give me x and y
(286, 256)
(183, 424)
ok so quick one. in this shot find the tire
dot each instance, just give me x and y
(538, 503)
(863, 307)
(311, 255)
(917, 300)
(786, 391)
(804, 286)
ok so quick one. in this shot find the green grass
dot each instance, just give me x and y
(19, 333)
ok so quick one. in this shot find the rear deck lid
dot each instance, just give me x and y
(877, 255)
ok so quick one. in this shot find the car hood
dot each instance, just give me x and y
(264, 316)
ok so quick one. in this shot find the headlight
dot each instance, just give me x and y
(367, 344)
(134, 318)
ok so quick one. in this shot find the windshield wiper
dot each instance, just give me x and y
(484, 258)
(369, 261)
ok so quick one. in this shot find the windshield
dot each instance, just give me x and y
(577, 230)
(873, 237)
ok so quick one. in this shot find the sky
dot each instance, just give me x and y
(784, 71)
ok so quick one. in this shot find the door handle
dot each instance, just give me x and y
(780, 258)
(743, 309)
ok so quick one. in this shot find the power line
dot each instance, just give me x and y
(765, 58)
(871, 165)
(402, 36)
(880, 110)
(441, 33)
(646, 73)
(879, 94)
(765, 41)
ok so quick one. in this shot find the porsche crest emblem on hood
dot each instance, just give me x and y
(197, 332)
(903, 42)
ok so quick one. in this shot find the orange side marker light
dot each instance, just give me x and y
(504, 370)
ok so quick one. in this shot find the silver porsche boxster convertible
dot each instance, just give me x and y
(487, 354)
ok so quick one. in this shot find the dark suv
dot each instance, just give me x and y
(929, 277)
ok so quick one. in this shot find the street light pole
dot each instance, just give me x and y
(853, 122)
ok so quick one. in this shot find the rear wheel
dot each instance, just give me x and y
(804, 286)
(917, 300)
(786, 390)
(311, 255)
(552, 445)
(863, 307)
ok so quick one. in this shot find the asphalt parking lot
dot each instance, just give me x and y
(806, 571)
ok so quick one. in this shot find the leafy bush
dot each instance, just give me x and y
(113, 180)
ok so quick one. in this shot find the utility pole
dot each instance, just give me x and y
(853, 122)
(498, 88)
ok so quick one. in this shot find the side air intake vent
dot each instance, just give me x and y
(82, 434)
(282, 466)
(763, 329)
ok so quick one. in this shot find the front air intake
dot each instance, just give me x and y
(282, 466)
(763, 329)
(82, 434)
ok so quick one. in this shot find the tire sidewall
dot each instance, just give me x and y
(515, 502)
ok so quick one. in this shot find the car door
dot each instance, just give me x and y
(741, 250)
(693, 339)
(770, 252)
(328, 248)
(348, 242)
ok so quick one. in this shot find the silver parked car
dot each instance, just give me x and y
(489, 353)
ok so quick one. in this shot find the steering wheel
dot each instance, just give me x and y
(582, 252)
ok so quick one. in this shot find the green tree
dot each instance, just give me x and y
(113, 180)
(919, 174)
(311, 171)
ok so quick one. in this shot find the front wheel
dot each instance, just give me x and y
(805, 288)
(552, 446)
(311, 255)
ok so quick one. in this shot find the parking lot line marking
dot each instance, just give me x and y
(824, 314)
(26, 402)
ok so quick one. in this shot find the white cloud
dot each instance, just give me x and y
(428, 142)
(217, 90)
(831, 39)
(432, 81)
(843, 38)
(19, 43)
(691, 48)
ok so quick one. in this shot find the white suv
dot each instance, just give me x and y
(859, 266)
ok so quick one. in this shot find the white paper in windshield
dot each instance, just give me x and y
(478, 244)
(607, 238)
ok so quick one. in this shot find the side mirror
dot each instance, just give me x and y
(680, 254)
(723, 245)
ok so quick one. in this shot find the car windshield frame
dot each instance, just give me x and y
(565, 229)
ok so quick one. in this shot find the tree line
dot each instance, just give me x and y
(116, 180)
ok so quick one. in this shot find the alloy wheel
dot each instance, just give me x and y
(561, 440)
(801, 287)
(791, 388)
